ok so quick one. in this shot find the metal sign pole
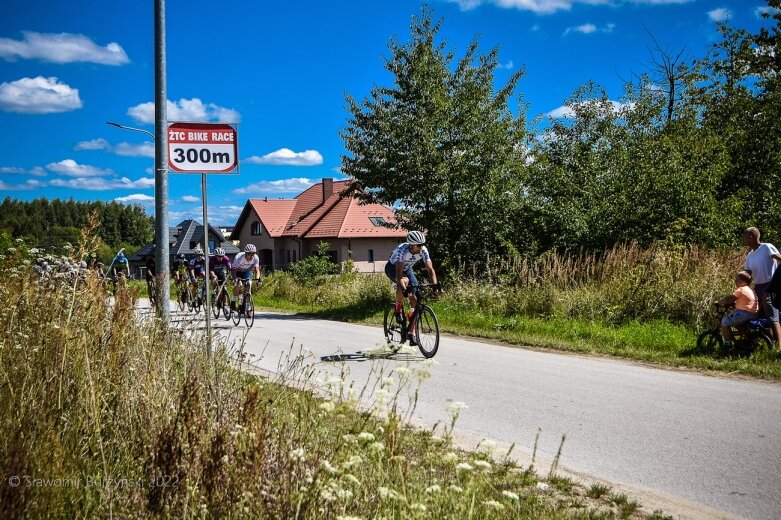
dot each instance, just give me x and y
(208, 307)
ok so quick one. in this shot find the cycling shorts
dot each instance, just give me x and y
(390, 272)
(243, 275)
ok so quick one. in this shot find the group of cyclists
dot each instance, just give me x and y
(244, 268)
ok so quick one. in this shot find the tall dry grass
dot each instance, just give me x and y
(106, 415)
(622, 284)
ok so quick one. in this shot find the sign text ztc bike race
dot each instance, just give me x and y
(202, 147)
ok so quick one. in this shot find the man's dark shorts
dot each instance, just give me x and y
(765, 306)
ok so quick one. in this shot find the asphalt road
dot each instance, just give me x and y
(701, 439)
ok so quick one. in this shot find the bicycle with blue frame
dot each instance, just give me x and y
(422, 327)
(753, 336)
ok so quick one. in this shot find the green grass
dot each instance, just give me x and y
(106, 414)
(654, 341)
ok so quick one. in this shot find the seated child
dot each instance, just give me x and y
(746, 306)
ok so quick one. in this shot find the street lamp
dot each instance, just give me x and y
(161, 228)
(123, 127)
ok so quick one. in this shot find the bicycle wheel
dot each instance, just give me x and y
(760, 342)
(181, 299)
(216, 304)
(237, 313)
(427, 332)
(709, 342)
(226, 305)
(249, 310)
(392, 328)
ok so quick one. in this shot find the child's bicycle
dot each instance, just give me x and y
(753, 336)
(422, 329)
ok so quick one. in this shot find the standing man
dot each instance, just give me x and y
(761, 262)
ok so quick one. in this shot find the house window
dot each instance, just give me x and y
(371, 255)
(257, 229)
(378, 221)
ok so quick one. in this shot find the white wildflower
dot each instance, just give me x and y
(542, 486)
(334, 382)
(348, 517)
(454, 408)
(297, 454)
(377, 447)
(435, 488)
(436, 439)
(455, 489)
(450, 458)
(388, 381)
(388, 494)
(511, 495)
(355, 460)
(465, 467)
(494, 504)
(487, 445)
(382, 396)
(420, 508)
(352, 479)
(224, 459)
(402, 371)
(483, 464)
(366, 437)
(348, 438)
(327, 406)
(329, 468)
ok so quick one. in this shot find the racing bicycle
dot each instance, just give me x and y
(422, 328)
(245, 307)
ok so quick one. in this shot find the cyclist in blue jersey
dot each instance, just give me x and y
(196, 268)
(399, 270)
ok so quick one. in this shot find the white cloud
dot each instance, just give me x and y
(71, 168)
(185, 110)
(103, 184)
(38, 96)
(218, 215)
(35, 170)
(138, 198)
(586, 28)
(294, 185)
(720, 14)
(509, 65)
(286, 156)
(94, 144)
(30, 184)
(551, 6)
(190, 198)
(589, 28)
(567, 112)
(126, 149)
(770, 11)
(61, 48)
(135, 150)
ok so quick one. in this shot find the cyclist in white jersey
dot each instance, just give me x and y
(399, 268)
(244, 264)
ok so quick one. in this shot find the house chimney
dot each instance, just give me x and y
(328, 188)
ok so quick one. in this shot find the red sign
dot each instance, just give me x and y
(202, 147)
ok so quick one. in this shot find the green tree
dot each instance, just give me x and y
(441, 145)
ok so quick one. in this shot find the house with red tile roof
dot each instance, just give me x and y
(287, 230)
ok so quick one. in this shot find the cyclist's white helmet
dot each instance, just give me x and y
(250, 248)
(416, 238)
(219, 252)
(198, 251)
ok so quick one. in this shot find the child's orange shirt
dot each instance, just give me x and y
(746, 299)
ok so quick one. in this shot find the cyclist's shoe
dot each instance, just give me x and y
(399, 317)
(413, 342)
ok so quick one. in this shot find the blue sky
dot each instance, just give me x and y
(280, 70)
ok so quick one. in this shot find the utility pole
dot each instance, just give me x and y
(161, 165)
